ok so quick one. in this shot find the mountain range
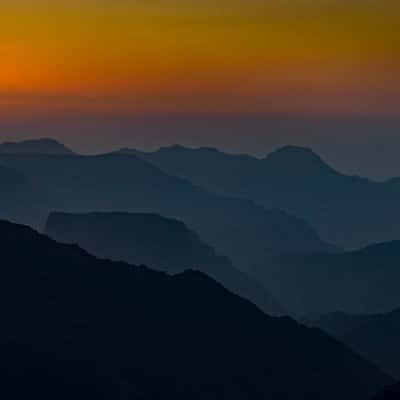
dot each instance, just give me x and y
(116, 182)
(348, 211)
(75, 325)
(163, 243)
(362, 281)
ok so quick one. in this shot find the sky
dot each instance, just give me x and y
(84, 65)
(221, 56)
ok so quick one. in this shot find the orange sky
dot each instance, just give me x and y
(292, 56)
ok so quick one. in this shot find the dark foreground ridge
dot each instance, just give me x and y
(76, 326)
(389, 393)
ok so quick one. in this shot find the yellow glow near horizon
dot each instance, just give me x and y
(223, 56)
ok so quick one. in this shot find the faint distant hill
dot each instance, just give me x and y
(362, 282)
(20, 199)
(37, 146)
(237, 228)
(389, 393)
(376, 337)
(349, 211)
(161, 243)
(74, 326)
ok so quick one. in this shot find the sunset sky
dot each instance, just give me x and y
(173, 56)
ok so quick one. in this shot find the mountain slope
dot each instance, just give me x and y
(376, 336)
(162, 243)
(69, 320)
(237, 228)
(20, 199)
(349, 211)
(36, 146)
(362, 282)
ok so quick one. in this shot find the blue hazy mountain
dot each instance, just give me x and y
(115, 182)
(362, 281)
(21, 200)
(162, 243)
(76, 326)
(349, 211)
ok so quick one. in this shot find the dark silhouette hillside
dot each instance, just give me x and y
(69, 320)
(163, 243)
(38, 146)
(236, 228)
(348, 211)
(363, 281)
(375, 336)
(389, 393)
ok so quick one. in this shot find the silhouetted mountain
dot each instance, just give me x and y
(38, 146)
(389, 393)
(362, 282)
(376, 337)
(161, 243)
(236, 228)
(346, 210)
(74, 325)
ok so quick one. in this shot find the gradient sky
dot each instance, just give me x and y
(300, 57)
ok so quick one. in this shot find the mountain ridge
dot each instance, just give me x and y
(357, 282)
(38, 146)
(164, 244)
(347, 210)
(138, 332)
(235, 227)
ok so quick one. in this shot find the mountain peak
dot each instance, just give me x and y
(175, 147)
(295, 152)
(38, 146)
(297, 159)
